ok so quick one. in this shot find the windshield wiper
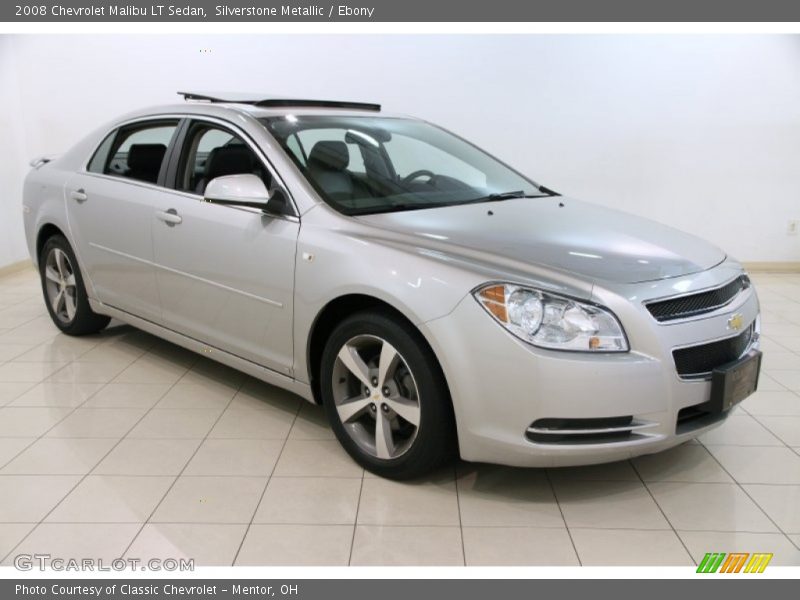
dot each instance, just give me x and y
(504, 196)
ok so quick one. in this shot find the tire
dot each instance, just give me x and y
(60, 274)
(413, 385)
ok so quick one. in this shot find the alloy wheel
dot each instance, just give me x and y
(61, 285)
(376, 397)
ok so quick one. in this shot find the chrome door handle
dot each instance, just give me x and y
(78, 195)
(170, 217)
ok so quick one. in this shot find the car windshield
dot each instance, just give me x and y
(366, 165)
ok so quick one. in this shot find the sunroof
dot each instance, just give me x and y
(278, 102)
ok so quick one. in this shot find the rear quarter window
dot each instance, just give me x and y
(98, 162)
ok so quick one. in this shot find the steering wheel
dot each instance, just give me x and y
(417, 174)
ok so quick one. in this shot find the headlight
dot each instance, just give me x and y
(551, 321)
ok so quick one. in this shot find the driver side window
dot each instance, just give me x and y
(409, 155)
(210, 151)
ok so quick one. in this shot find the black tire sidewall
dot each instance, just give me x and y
(434, 442)
(85, 320)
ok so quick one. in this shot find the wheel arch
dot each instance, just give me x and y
(334, 312)
(46, 231)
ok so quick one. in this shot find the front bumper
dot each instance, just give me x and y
(502, 386)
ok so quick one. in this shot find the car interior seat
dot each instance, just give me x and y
(144, 161)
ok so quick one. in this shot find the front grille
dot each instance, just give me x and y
(697, 304)
(700, 361)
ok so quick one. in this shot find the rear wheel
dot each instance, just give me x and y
(64, 292)
(385, 396)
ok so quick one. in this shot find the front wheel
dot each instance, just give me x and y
(64, 292)
(385, 396)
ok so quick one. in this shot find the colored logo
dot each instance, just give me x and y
(735, 322)
(734, 562)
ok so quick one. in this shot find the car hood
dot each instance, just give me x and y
(580, 238)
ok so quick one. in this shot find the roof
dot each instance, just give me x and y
(287, 102)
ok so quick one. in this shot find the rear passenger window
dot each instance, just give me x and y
(138, 151)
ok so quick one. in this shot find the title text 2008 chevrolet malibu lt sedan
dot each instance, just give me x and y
(434, 300)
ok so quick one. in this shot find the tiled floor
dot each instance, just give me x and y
(122, 444)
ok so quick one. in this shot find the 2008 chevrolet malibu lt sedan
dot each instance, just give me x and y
(434, 300)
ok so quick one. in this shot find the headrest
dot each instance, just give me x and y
(146, 157)
(330, 155)
(229, 160)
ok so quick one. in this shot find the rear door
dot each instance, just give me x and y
(110, 209)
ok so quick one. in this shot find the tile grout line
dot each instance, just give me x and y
(661, 510)
(264, 489)
(753, 500)
(102, 458)
(460, 520)
(70, 412)
(775, 435)
(563, 518)
(189, 460)
(406, 526)
(355, 521)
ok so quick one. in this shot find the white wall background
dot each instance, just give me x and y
(700, 132)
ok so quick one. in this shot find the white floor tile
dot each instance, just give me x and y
(740, 430)
(506, 497)
(779, 465)
(773, 404)
(518, 546)
(68, 395)
(629, 547)
(12, 534)
(111, 499)
(28, 498)
(29, 422)
(147, 457)
(296, 545)
(689, 462)
(208, 544)
(128, 395)
(311, 501)
(106, 541)
(59, 456)
(97, 422)
(247, 458)
(176, 423)
(709, 507)
(315, 458)
(424, 502)
(786, 428)
(409, 546)
(608, 504)
(780, 502)
(211, 500)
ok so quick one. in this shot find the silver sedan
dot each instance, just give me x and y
(433, 299)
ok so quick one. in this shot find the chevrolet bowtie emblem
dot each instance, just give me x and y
(735, 322)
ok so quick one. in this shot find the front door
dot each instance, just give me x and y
(225, 274)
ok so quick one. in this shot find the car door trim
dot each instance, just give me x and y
(269, 301)
(173, 153)
(174, 158)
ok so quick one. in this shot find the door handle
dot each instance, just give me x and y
(79, 195)
(170, 217)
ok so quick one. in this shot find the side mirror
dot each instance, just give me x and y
(246, 190)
